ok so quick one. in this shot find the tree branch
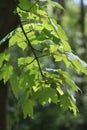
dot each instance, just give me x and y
(32, 49)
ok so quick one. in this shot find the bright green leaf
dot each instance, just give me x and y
(6, 72)
(78, 64)
(25, 61)
(60, 90)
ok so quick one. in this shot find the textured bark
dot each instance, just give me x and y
(8, 22)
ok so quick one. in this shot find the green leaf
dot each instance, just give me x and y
(67, 103)
(60, 32)
(6, 72)
(13, 40)
(18, 39)
(25, 61)
(1, 59)
(46, 95)
(14, 81)
(4, 57)
(26, 80)
(73, 107)
(24, 4)
(27, 5)
(64, 102)
(66, 77)
(59, 90)
(27, 107)
(55, 4)
(66, 46)
(78, 64)
(24, 15)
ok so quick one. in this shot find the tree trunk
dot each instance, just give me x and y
(82, 25)
(8, 22)
(3, 105)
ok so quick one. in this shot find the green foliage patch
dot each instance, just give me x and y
(36, 82)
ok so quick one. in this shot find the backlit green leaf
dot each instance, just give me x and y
(28, 108)
(78, 64)
(46, 95)
(14, 81)
(6, 72)
(55, 4)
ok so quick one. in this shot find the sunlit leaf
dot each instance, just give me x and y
(79, 65)
(33, 77)
(73, 107)
(46, 95)
(66, 46)
(68, 80)
(60, 32)
(26, 80)
(25, 61)
(67, 103)
(6, 72)
(64, 102)
(60, 90)
(19, 40)
(55, 4)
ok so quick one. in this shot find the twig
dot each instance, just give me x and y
(30, 62)
(43, 55)
(32, 49)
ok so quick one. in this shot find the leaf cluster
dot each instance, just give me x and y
(36, 82)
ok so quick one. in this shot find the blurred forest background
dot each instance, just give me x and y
(73, 19)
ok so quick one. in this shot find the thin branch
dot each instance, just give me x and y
(30, 62)
(43, 55)
(25, 42)
(32, 49)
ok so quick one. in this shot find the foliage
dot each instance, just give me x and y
(35, 81)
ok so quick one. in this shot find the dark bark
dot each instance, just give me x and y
(8, 22)
(8, 19)
(3, 105)
(82, 18)
(82, 25)
(83, 56)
